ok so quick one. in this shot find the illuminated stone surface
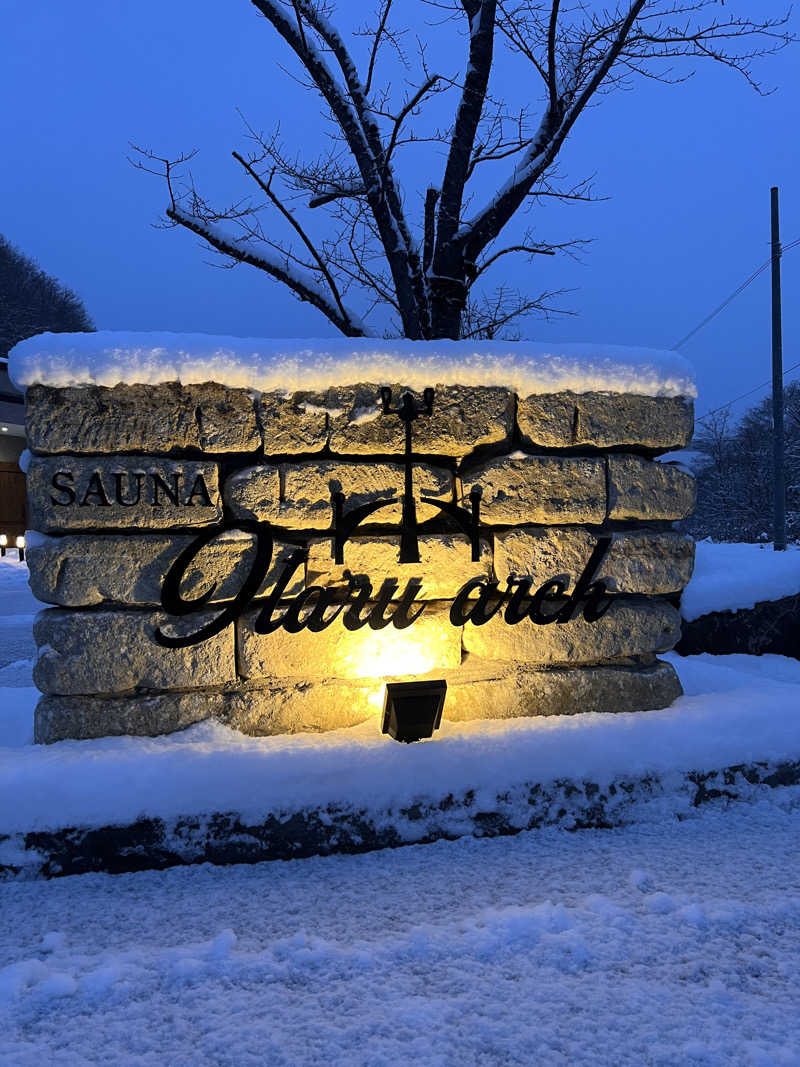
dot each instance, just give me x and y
(72, 493)
(540, 489)
(316, 443)
(77, 571)
(638, 561)
(299, 495)
(605, 420)
(445, 562)
(632, 626)
(547, 420)
(463, 419)
(484, 691)
(292, 424)
(641, 489)
(570, 691)
(58, 718)
(659, 423)
(431, 643)
(115, 652)
(141, 418)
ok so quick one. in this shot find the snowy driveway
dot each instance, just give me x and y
(665, 943)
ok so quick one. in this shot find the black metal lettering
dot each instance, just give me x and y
(401, 620)
(174, 604)
(584, 584)
(264, 623)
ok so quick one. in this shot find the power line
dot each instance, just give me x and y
(728, 299)
(749, 392)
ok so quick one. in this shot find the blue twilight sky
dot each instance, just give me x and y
(687, 170)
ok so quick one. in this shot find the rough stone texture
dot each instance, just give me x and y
(540, 489)
(463, 419)
(83, 571)
(431, 643)
(605, 420)
(284, 707)
(303, 707)
(658, 423)
(140, 418)
(306, 488)
(631, 627)
(641, 489)
(115, 652)
(445, 563)
(547, 420)
(637, 562)
(89, 488)
(563, 692)
(59, 718)
(292, 424)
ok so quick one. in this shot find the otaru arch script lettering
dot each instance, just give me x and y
(317, 607)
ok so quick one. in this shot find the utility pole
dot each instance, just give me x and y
(779, 491)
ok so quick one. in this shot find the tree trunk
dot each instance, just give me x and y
(448, 300)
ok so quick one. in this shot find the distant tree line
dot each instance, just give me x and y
(31, 301)
(734, 473)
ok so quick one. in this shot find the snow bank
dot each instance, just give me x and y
(732, 577)
(738, 711)
(109, 357)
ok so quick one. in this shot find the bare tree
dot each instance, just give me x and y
(431, 273)
(734, 479)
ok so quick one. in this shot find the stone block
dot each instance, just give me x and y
(526, 693)
(642, 489)
(445, 563)
(631, 627)
(613, 420)
(299, 495)
(115, 652)
(117, 492)
(463, 419)
(638, 561)
(540, 489)
(140, 418)
(83, 571)
(431, 643)
(78, 718)
(302, 707)
(547, 420)
(292, 424)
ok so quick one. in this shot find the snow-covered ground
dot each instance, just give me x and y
(729, 577)
(668, 942)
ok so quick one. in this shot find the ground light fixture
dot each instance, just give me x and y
(3, 544)
(20, 542)
(413, 710)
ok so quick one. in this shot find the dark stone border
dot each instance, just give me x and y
(224, 838)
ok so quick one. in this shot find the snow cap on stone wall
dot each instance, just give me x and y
(111, 357)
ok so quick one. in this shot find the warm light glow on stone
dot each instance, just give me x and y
(394, 653)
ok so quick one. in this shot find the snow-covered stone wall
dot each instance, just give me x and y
(122, 479)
